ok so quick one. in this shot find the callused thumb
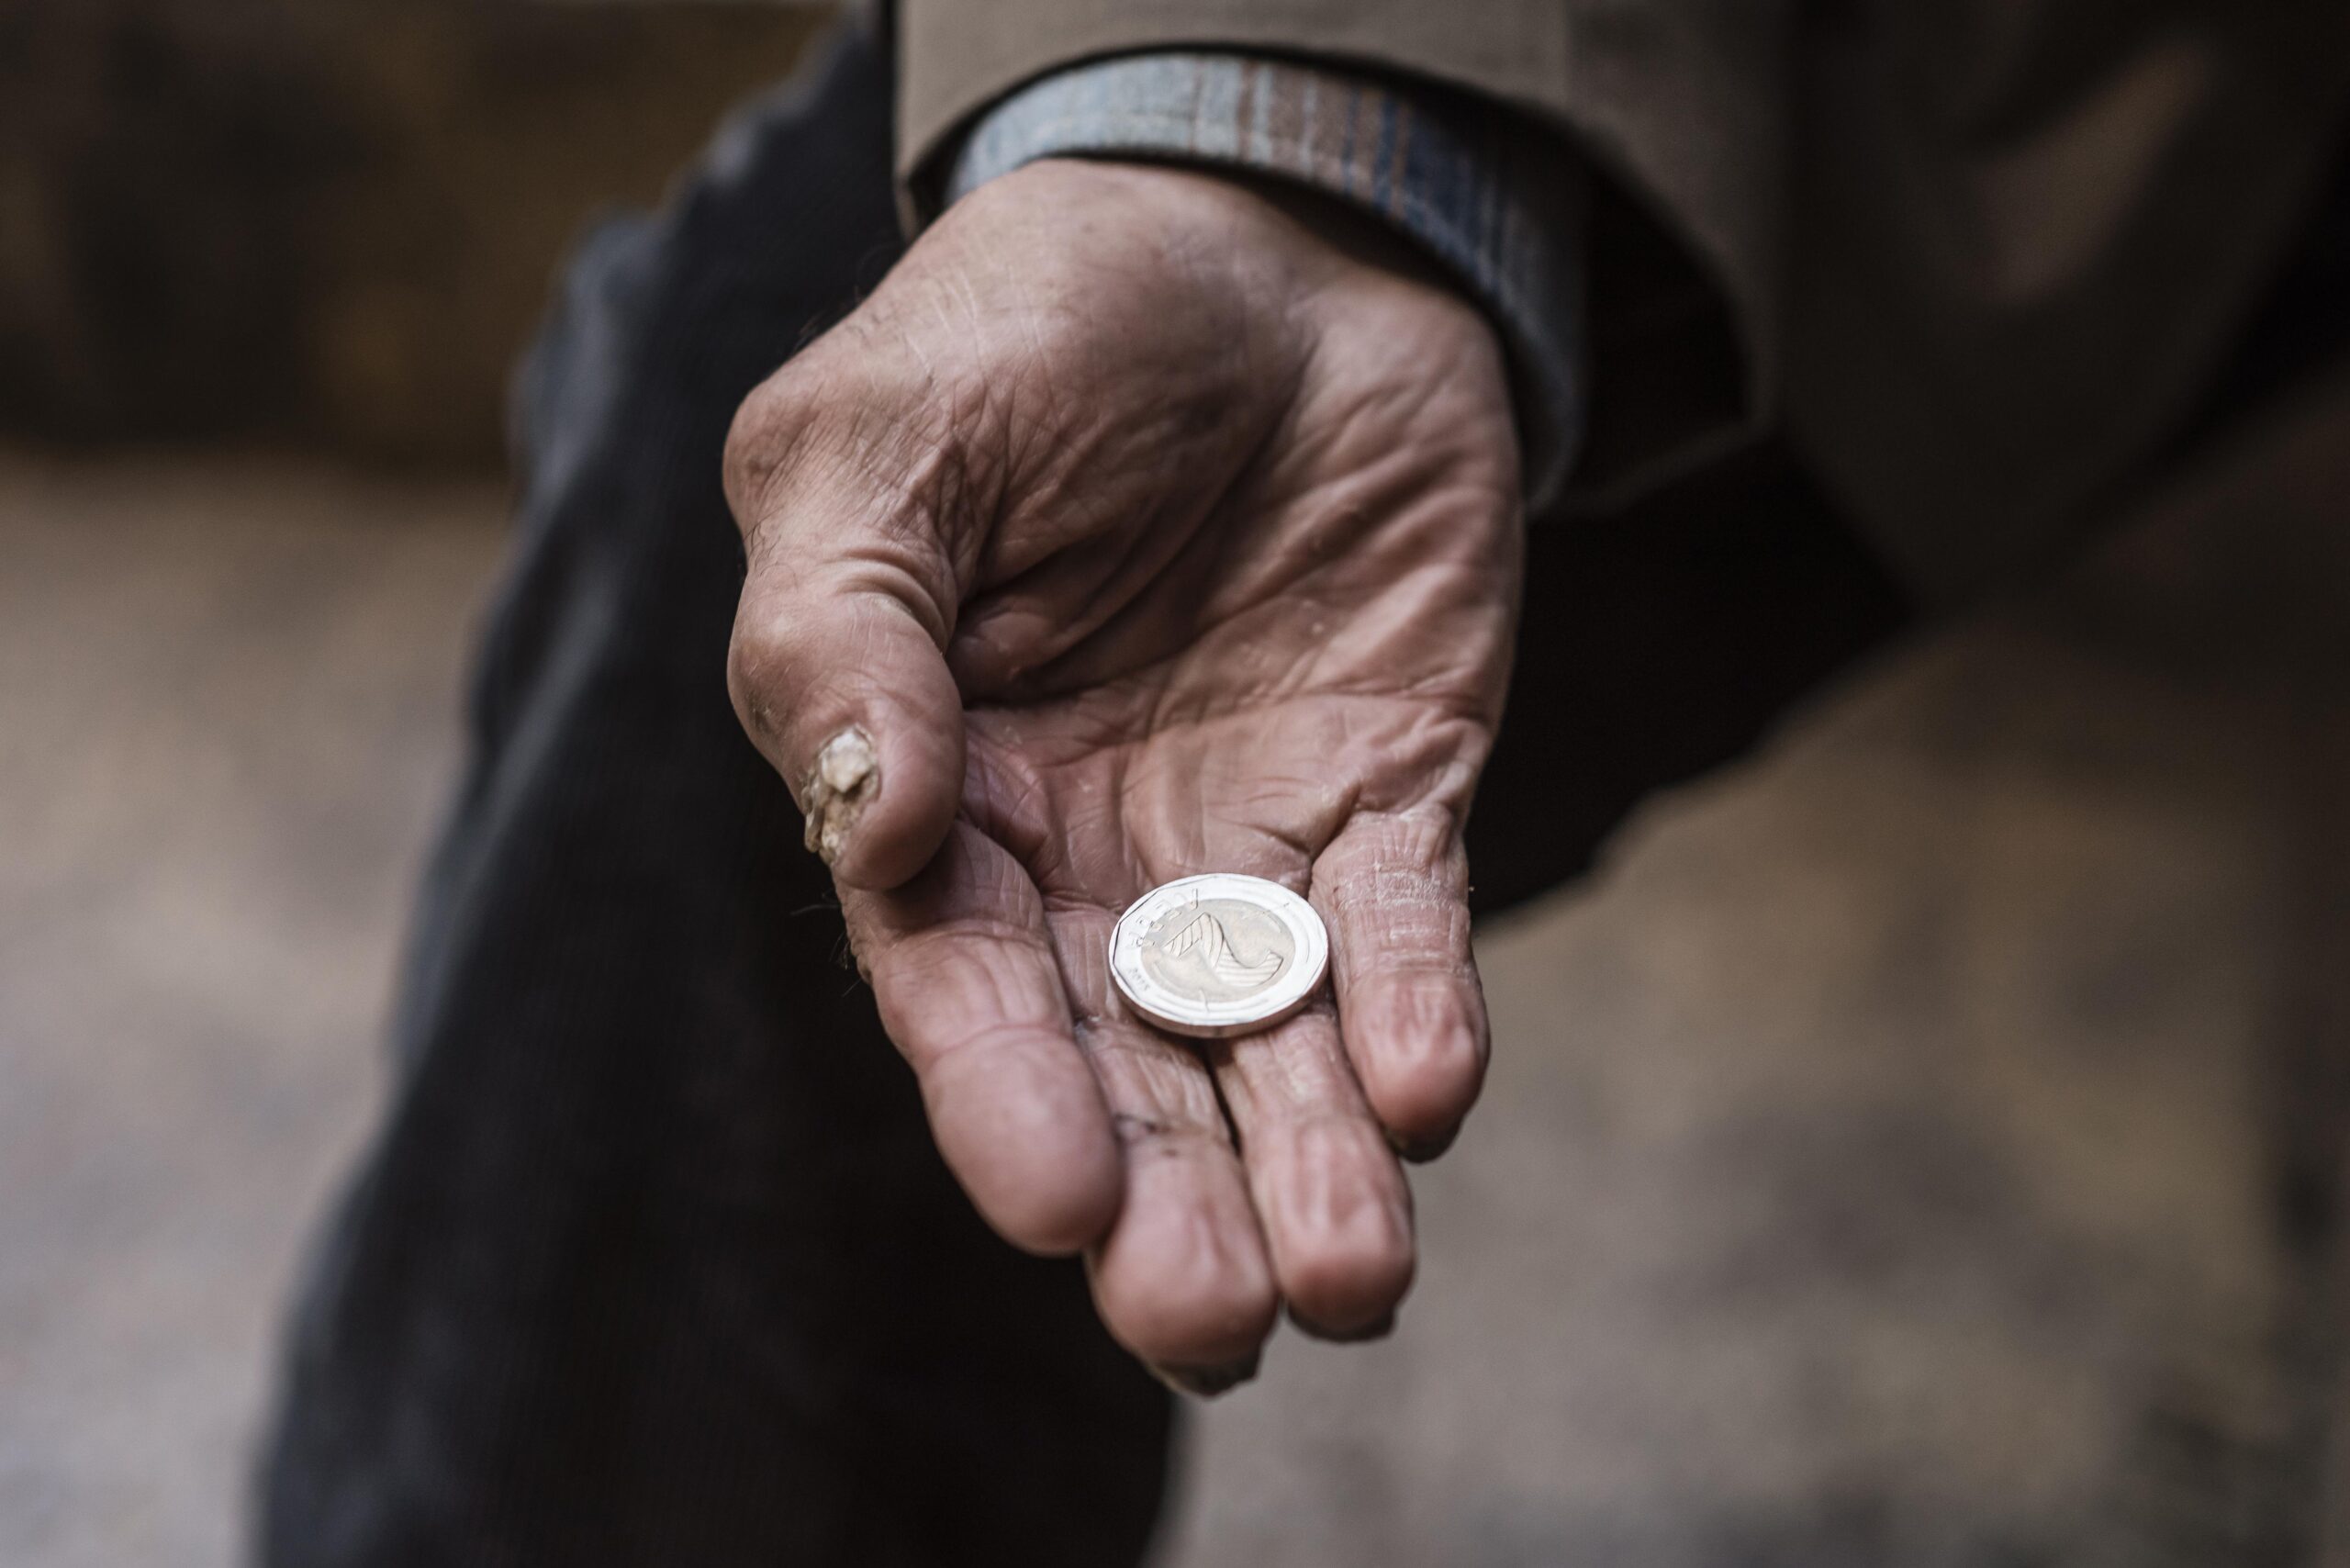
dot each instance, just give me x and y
(837, 674)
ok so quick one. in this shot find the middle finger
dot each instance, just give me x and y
(1183, 1279)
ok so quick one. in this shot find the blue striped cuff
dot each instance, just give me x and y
(1495, 203)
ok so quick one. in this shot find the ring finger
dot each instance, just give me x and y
(1335, 1209)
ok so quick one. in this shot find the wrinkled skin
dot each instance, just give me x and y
(1141, 524)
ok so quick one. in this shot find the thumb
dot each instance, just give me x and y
(837, 674)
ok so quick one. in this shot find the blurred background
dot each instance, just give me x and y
(1918, 1144)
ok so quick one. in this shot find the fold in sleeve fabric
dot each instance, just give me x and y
(1490, 196)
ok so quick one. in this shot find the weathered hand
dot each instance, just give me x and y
(1142, 524)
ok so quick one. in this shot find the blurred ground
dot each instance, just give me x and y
(1918, 1148)
(227, 702)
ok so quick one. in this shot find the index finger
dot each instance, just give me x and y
(964, 975)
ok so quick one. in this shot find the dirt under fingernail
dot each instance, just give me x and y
(845, 781)
(1422, 1150)
(1379, 1329)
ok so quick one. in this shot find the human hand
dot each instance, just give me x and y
(1142, 524)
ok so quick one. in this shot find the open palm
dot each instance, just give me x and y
(1138, 528)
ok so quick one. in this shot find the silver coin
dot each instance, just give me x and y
(1216, 955)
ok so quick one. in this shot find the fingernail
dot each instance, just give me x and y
(846, 778)
(1420, 1150)
(1206, 1383)
(1380, 1329)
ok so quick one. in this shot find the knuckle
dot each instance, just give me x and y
(755, 662)
(813, 417)
(913, 462)
(766, 434)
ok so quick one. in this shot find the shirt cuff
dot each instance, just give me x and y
(1497, 204)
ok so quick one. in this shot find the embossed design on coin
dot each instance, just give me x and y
(1219, 954)
(1220, 950)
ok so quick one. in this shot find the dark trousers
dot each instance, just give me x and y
(652, 1260)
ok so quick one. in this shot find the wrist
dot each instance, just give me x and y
(1278, 247)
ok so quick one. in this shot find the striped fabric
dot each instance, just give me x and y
(1492, 198)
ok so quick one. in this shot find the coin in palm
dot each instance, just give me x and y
(1216, 955)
